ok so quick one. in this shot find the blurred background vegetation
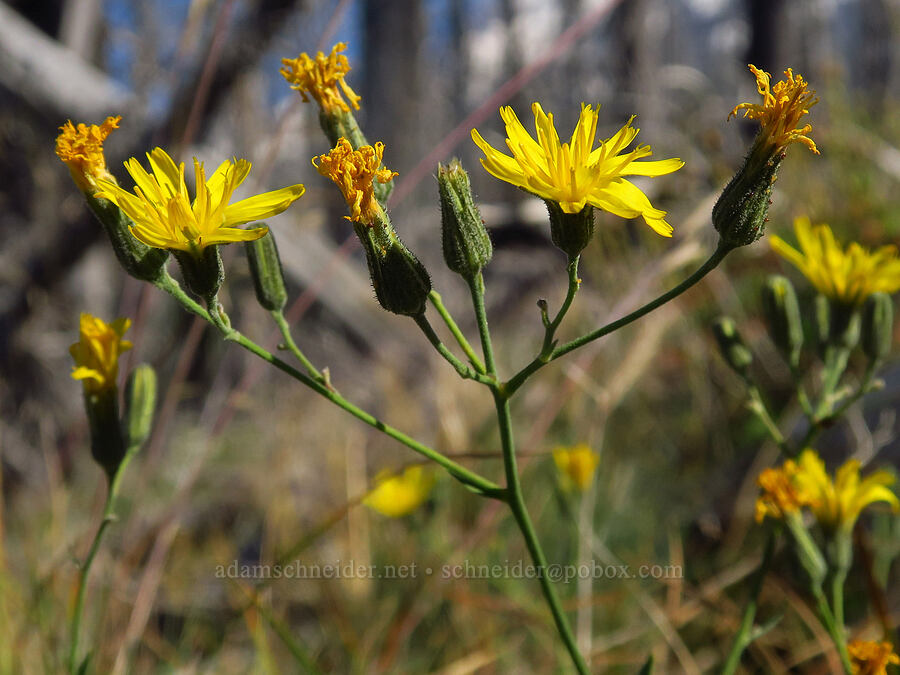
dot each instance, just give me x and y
(244, 466)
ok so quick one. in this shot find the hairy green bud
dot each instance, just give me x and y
(741, 212)
(140, 404)
(400, 281)
(466, 243)
(878, 326)
(267, 273)
(732, 346)
(783, 313)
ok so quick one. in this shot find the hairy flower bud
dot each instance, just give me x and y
(268, 276)
(400, 281)
(732, 346)
(878, 326)
(783, 313)
(466, 243)
(140, 403)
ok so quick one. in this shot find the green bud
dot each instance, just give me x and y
(878, 326)
(732, 346)
(265, 268)
(783, 313)
(466, 244)
(140, 403)
(400, 281)
(203, 272)
(139, 260)
(741, 212)
(570, 232)
(823, 322)
(107, 444)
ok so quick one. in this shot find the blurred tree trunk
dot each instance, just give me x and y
(767, 17)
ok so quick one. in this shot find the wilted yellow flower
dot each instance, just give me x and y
(577, 464)
(401, 494)
(354, 172)
(837, 504)
(320, 78)
(780, 494)
(871, 658)
(782, 107)
(96, 353)
(848, 277)
(164, 216)
(81, 148)
(573, 174)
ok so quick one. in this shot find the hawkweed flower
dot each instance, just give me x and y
(399, 495)
(355, 172)
(576, 465)
(871, 658)
(97, 352)
(846, 277)
(81, 148)
(575, 175)
(741, 211)
(780, 493)
(322, 79)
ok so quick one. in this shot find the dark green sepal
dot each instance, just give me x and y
(107, 443)
(782, 311)
(878, 326)
(400, 281)
(732, 346)
(202, 270)
(267, 273)
(570, 232)
(140, 404)
(465, 241)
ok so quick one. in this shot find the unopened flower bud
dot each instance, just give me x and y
(823, 322)
(400, 281)
(878, 326)
(732, 346)
(267, 273)
(783, 313)
(570, 232)
(741, 212)
(202, 270)
(466, 243)
(140, 404)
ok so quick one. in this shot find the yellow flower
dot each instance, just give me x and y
(81, 148)
(354, 172)
(399, 495)
(780, 494)
(871, 658)
(577, 464)
(96, 354)
(848, 277)
(837, 504)
(164, 216)
(320, 78)
(782, 107)
(573, 174)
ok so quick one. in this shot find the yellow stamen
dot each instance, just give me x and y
(320, 78)
(354, 172)
(81, 148)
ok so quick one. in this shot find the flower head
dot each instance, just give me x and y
(781, 495)
(165, 217)
(871, 658)
(783, 105)
(354, 172)
(320, 78)
(577, 464)
(838, 503)
(81, 148)
(399, 495)
(96, 353)
(848, 277)
(575, 174)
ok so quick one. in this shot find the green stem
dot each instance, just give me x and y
(462, 474)
(519, 378)
(836, 633)
(466, 372)
(476, 286)
(285, 329)
(824, 415)
(108, 517)
(758, 406)
(461, 340)
(550, 332)
(745, 633)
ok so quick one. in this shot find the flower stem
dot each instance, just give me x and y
(466, 372)
(285, 329)
(476, 286)
(438, 304)
(550, 332)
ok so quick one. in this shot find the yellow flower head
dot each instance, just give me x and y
(97, 352)
(165, 217)
(398, 495)
(848, 277)
(354, 172)
(81, 148)
(780, 494)
(871, 658)
(838, 503)
(573, 174)
(577, 465)
(320, 78)
(782, 107)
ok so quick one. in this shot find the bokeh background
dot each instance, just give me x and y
(245, 466)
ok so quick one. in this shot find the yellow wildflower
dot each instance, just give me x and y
(848, 277)
(577, 464)
(837, 504)
(871, 658)
(320, 78)
(354, 172)
(398, 495)
(81, 148)
(781, 494)
(782, 107)
(573, 174)
(96, 354)
(164, 216)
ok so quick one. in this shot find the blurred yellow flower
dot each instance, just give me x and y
(848, 277)
(577, 465)
(81, 148)
(354, 172)
(780, 493)
(96, 353)
(398, 495)
(837, 504)
(573, 174)
(871, 658)
(320, 78)
(782, 107)
(164, 216)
